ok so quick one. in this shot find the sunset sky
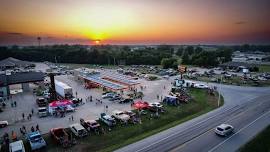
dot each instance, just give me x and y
(135, 21)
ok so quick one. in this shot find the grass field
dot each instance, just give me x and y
(124, 135)
(264, 68)
(261, 143)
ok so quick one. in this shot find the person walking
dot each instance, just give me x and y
(32, 129)
(23, 116)
(32, 111)
(72, 118)
(15, 104)
(21, 131)
(37, 127)
(24, 129)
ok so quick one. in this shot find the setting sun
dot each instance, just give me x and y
(97, 42)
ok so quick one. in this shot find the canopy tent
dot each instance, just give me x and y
(171, 100)
(62, 104)
(140, 105)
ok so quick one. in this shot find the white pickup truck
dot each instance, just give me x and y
(120, 115)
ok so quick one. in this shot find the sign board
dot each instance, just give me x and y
(182, 69)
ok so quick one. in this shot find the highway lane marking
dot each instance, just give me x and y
(238, 131)
(237, 107)
(184, 144)
(207, 131)
(228, 109)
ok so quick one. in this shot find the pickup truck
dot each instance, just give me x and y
(59, 135)
(16, 146)
(120, 115)
(107, 119)
(41, 102)
(42, 112)
(36, 141)
(78, 130)
(90, 125)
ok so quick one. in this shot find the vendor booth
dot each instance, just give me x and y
(60, 106)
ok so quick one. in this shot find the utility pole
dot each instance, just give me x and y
(39, 41)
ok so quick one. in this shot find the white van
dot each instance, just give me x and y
(16, 146)
(78, 130)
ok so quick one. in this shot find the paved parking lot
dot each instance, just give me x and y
(90, 110)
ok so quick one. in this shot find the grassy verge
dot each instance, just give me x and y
(124, 135)
(260, 143)
(264, 68)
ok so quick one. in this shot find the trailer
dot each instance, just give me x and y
(63, 89)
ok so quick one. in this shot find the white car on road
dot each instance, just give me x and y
(224, 129)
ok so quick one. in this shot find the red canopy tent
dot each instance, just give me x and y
(140, 105)
(60, 103)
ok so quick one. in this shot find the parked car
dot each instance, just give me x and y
(3, 124)
(59, 135)
(108, 95)
(262, 78)
(201, 86)
(130, 113)
(78, 130)
(41, 102)
(36, 141)
(107, 119)
(42, 112)
(16, 146)
(156, 104)
(224, 130)
(90, 125)
(155, 108)
(70, 108)
(120, 115)
(127, 100)
(115, 97)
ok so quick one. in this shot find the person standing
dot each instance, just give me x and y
(32, 129)
(32, 111)
(15, 104)
(37, 127)
(23, 116)
(23, 128)
(72, 118)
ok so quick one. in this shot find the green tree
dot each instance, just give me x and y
(185, 58)
(169, 63)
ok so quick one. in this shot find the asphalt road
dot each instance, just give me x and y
(246, 108)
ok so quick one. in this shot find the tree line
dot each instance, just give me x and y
(198, 56)
(104, 54)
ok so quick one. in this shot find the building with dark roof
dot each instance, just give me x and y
(11, 63)
(23, 78)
